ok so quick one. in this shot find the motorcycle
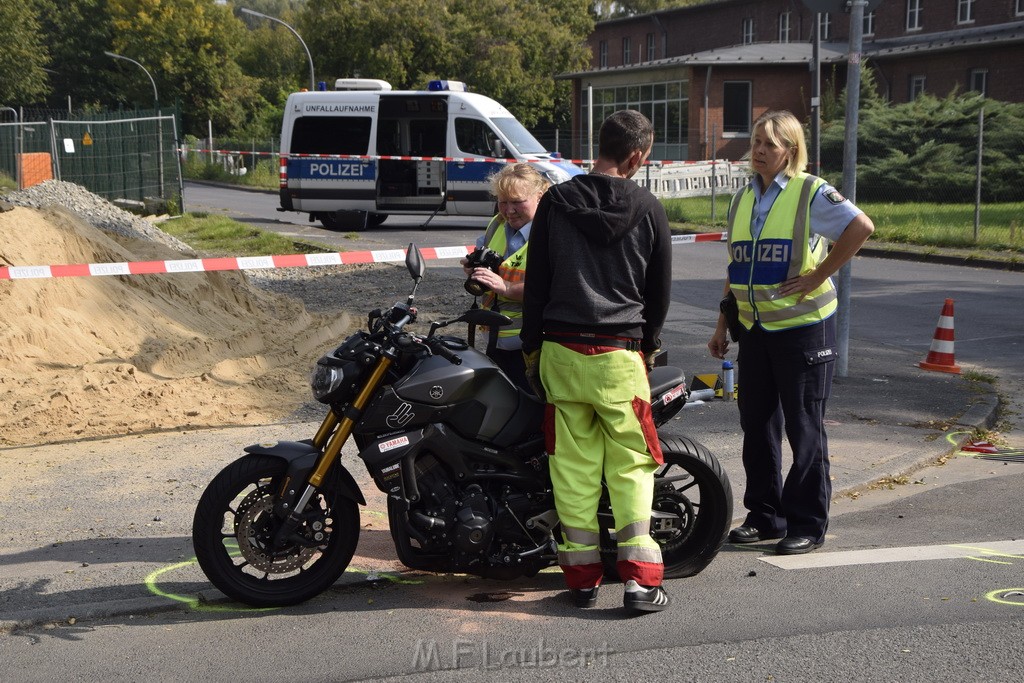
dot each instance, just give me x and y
(458, 450)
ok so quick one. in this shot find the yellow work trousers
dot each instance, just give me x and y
(598, 425)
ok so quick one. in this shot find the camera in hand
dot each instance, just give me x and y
(482, 257)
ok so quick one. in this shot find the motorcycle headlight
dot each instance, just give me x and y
(325, 380)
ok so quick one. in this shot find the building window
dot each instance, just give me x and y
(748, 30)
(1020, 7)
(602, 54)
(736, 107)
(914, 15)
(825, 25)
(965, 11)
(869, 23)
(784, 27)
(977, 81)
(665, 103)
(916, 87)
(627, 49)
(651, 56)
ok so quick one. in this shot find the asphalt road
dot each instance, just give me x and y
(923, 582)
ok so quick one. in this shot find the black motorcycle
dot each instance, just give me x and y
(458, 450)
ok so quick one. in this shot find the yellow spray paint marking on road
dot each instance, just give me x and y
(1007, 596)
(195, 604)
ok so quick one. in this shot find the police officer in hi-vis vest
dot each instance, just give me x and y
(786, 301)
(518, 189)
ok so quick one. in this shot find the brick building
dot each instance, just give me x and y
(703, 74)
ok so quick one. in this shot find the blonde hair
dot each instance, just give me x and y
(784, 130)
(518, 179)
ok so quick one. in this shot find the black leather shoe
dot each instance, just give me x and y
(584, 597)
(747, 534)
(796, 545)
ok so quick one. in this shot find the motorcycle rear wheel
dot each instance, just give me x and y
(234, 524)
(698, 510)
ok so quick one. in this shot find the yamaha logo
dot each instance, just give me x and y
(436, 392)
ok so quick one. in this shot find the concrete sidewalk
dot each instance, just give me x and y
(102, 529)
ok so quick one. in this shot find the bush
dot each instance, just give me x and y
(926, 150)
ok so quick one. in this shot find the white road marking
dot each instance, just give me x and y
(1002, 550)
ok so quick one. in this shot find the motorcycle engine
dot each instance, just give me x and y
(475, 529)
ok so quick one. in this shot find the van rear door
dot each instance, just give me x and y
(316, 184)
(411, 125)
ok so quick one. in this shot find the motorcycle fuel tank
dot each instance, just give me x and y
(475, 398)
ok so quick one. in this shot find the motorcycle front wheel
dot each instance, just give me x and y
(233, 530)
(691, 513)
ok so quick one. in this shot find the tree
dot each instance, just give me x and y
(508, 51)
(80, 70)
(24, 54)
(608, 9)
(189, 47)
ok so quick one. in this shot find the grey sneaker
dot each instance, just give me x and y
(641, 599)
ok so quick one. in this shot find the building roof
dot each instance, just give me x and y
(777, 54)
(754, 54)
(944, 41)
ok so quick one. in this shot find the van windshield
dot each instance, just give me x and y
(520, 138)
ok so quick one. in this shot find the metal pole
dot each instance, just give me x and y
(590, 124)
(977, 178)
(816, 99)
(849, 176)
(312, 76)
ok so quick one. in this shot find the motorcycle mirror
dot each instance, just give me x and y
(414, 262)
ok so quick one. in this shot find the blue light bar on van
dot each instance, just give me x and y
(453, 86)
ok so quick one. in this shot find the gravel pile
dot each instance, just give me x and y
(93, 209)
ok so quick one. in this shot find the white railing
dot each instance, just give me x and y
(694, 179)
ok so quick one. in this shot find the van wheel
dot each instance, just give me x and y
(331, 221)
(351, 220)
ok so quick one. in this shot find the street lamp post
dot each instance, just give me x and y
(159, 122)
(312, 76)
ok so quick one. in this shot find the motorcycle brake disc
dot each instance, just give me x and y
(252, 541)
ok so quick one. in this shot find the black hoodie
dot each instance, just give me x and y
(599, 261)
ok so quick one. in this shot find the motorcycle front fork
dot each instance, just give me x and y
(329, 440)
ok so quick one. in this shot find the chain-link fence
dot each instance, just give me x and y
(115, 155)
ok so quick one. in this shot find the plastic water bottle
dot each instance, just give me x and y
(729, 383)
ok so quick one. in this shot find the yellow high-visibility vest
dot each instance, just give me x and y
(512, 269)
(757, 266)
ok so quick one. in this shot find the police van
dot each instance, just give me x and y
(363, 119)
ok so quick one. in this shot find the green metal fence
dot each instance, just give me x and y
(116, 155)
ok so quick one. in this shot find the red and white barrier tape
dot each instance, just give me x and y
(254, 262)
(461, 160)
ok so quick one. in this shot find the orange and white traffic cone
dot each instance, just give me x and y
(940, 355)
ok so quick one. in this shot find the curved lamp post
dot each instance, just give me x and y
(159, 122)
(312, 77)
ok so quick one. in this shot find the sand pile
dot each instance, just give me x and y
(100, 356)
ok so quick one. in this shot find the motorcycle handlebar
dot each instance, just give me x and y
(438, 347)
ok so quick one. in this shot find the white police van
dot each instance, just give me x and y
(366, 117)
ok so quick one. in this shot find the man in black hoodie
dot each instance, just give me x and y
(598, 276)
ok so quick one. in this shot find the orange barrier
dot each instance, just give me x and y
(34, 168)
